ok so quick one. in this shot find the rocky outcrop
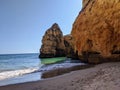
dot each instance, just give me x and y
(52, 43)
(68, 40)
(69, 47)
(96, 31)
(84, 3)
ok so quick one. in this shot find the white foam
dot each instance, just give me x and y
(10, 74)
(61, 65)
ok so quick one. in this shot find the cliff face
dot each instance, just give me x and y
(96, 30)
(68, 42)
(52, 43)
(84, 3)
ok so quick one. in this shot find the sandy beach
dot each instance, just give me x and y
(100, 77)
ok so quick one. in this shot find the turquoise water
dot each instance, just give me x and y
(19, 68)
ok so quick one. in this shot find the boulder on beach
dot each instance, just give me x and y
(96, 31)
(52, 43)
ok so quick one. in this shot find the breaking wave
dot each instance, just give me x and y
(10, 74)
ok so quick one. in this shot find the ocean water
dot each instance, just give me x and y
(10, 62)
(19, 68)
(13, 65)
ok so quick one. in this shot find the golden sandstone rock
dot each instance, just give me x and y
(68, 42)
(52, 43)
(96, 31)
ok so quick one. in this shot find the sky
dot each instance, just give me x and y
(24, 22)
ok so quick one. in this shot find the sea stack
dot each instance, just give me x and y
(96, 31)
(52, 43)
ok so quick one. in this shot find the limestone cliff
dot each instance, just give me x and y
(52, 43)
(84, 3)
(68, 42)
(96, 31)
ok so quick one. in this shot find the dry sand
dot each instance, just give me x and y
(100, 77)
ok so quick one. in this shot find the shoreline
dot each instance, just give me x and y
(31, 77)
(104, 76)
(44, 71)
(63, 70)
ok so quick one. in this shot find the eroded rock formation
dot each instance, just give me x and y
(84, 3)
(69, 47)
(68, 42)
(96, 31)
(52, 43)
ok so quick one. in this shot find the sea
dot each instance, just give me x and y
(20, 68)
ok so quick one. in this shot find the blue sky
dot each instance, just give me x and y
(24, 22)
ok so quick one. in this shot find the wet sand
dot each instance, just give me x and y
(100, 77)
